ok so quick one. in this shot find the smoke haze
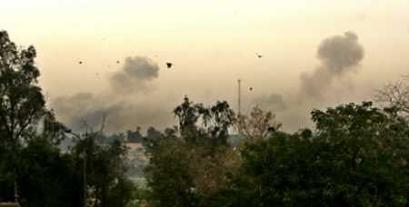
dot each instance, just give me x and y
(136, 73)
(338, 55)
(121, 106)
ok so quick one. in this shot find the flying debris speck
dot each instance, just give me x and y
(117, 62)
(169, 65)
(251, 88)
(259, 55)
(80, 62)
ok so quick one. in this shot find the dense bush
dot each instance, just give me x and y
(357, 156)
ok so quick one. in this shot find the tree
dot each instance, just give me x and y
(46, 177)
(357, 156)
(196, 121)
(188, 163)
(258, 125)
(168, 174)
(31, 164)
(23, 114)
(395, 95)
(22, 103)
(105, 170)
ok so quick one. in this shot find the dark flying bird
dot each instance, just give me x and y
(80, 62)
(169, 65)
(259, 56)
(251, 88)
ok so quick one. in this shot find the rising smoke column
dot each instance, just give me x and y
(121, 105)
(338, 55)
(135, 74)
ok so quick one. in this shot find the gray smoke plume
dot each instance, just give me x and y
(338, 55)
(274, 102)
(119, 107)
(136, 72)
(340, 52)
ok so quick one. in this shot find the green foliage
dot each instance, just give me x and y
(105, 170)
(22, 103)
(356, 157)
(46, 177)
(23, 114)
(187, 170)
(30, 160)
(168, 174)
(258, 125)
(211, 123)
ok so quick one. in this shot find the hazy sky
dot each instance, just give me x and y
(212, 43)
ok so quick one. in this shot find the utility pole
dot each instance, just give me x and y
(239, 97)
(239, 118)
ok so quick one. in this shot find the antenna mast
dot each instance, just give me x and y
(239, 96)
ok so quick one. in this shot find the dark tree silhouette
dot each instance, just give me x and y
(357, 156)
(395, 95)
(24, 118)
(22, 105)
(188, 164)
(105, 171)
